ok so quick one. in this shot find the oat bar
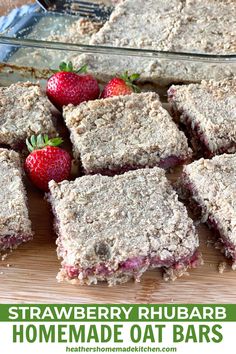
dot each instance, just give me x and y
(211, 185)
(208, 113)
(24, 111)
(114, 228)
(121, 133)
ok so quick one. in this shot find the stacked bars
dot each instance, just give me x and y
(24, 111)
(113, 228)
(15, 226)
(117, 134)
(208, 112)
(212, 188)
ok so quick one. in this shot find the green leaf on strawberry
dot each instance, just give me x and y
(41, 141)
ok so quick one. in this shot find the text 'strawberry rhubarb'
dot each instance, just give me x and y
(69, 86)
(114, 228)
(47, 161)
(121, 133)
(211, 186)
(15, 226)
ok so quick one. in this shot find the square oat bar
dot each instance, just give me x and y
(15, 226)
(121, 133)
(208, 113)
(212, 190)
(114, 228)
(24, 111)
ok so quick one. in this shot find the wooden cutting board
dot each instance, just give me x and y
(28, 275)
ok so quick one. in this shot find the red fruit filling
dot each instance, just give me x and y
(10, 242)
(134, 265)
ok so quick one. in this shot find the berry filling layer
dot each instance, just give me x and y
(9, 242)
(133, 267)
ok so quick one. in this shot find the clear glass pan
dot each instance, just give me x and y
(26, 46)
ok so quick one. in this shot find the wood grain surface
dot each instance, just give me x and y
(28, 275)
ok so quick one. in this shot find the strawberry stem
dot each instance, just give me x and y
(42, 141)
(68, 67)
(130, 80)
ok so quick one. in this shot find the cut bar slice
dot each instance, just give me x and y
(15, 226)
(207, 111)
(212, 190)
(24, 111)
(122, 133)
(113, 228)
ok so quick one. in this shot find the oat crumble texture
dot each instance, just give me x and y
(15, 226)
(199, 26)
(205, 26)
(125, 132)
(212, 187)
(208, 110)
(105, 224)
(24, 111)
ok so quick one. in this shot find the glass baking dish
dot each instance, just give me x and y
(32, 38)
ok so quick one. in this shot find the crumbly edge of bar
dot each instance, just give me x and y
(170, 272)
(207, 143)
(14, 159)
(196, 137)
(189, 193)
(11, 242)
(166, 163)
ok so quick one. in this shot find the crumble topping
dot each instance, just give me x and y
(14, 219)
(192, 25)
(213, 187)
(206, 26)
(209, 107)
(132, 130)
(148, 24)
(24, 111)
(108, 220)
(200, 26)
(79, 32)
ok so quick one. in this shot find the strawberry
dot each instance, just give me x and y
(46, 161)
(71, 86)
(123, 85)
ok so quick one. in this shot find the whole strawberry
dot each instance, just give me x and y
(123, 85)
(46, 161)
(71, 86)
